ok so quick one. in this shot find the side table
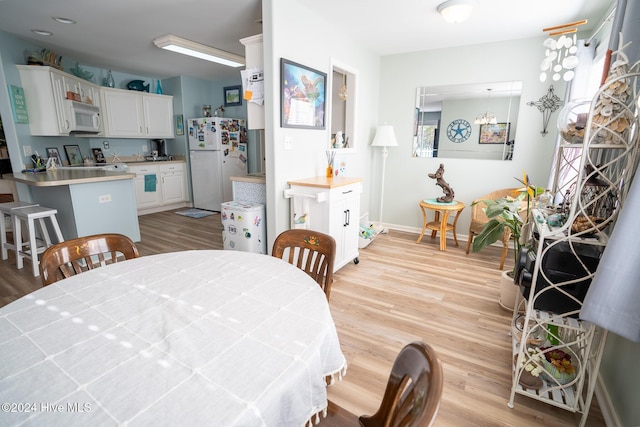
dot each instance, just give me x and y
(438, 224)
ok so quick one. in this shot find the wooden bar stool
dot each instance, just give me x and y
(33, 246)
(7, 212)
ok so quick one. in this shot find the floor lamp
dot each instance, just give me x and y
(385, 137)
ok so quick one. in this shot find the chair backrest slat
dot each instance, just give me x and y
(311, 251)
(74, 256)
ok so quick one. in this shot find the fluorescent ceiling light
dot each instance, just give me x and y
(191, 48)
(456, 11)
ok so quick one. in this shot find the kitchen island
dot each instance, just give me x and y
(89, 201)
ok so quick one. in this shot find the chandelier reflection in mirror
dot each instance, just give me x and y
(486, 117)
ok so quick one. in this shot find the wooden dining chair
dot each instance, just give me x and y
(311, 251)
(479, 219)
(75, 256)
(411, 399)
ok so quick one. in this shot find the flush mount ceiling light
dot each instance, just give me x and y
(191, 48)
(42, 32)
(62, 20)
(456, 11)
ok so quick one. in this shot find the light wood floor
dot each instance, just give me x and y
(399, 292)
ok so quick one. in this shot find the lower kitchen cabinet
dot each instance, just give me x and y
(333, 208)
(159, 187)
(173, 183)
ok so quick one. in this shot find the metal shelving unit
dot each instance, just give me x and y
(562, 259)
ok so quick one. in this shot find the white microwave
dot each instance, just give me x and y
(83, 117)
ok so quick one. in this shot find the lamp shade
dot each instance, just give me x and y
(456, 11)
(385, 137)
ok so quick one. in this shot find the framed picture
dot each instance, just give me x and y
(302, 96)
(179, 125)
(53, 152)
(232, 96)
(73, 154)
(98, 156)
(494, 134)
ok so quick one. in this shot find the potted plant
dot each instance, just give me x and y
(510, 213)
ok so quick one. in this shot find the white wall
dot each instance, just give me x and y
(406, 178)
(314, 43)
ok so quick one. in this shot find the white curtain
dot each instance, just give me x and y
(613, 299)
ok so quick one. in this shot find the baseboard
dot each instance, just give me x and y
(606, 406)
(164, 208)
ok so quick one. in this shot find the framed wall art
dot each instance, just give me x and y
(98, 155)
(179, 124)
(494, 134)
(53, 152)
(73, 154)
(302, 96)
(232, 96)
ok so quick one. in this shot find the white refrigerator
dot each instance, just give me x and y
(217, 151)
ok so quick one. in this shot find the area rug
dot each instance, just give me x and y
(195, 213)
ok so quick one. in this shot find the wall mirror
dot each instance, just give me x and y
(477, 121)
(342, 114)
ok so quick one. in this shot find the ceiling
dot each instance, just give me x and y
(119, 34)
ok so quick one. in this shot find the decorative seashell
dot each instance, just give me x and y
(606, 111)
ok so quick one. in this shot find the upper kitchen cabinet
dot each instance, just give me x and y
(48, 93)
(254, 59)
(132, 114)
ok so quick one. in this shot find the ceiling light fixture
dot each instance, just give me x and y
(456, 11)
(63, 20)
(42, 33)
(198, 50)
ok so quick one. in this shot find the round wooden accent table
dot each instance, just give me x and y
(438, 224)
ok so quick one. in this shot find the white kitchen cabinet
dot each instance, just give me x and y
(45, 90)
(133, 114)
(158, 115)
(170, 186)
(333, 208)
(173, 182)
(146, 199)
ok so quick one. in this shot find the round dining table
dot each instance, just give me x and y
(193, 338)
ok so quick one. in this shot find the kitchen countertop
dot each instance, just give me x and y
(67, 177)
(323, 182)
(251, 178)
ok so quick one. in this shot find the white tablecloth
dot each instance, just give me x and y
(193, 338)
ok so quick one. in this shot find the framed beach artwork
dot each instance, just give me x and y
(494, 134)
(73, 154)
(302, 96)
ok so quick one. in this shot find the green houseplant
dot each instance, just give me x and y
(511, 214)
(508, 213)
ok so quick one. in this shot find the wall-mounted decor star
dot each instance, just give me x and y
(547, 105)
